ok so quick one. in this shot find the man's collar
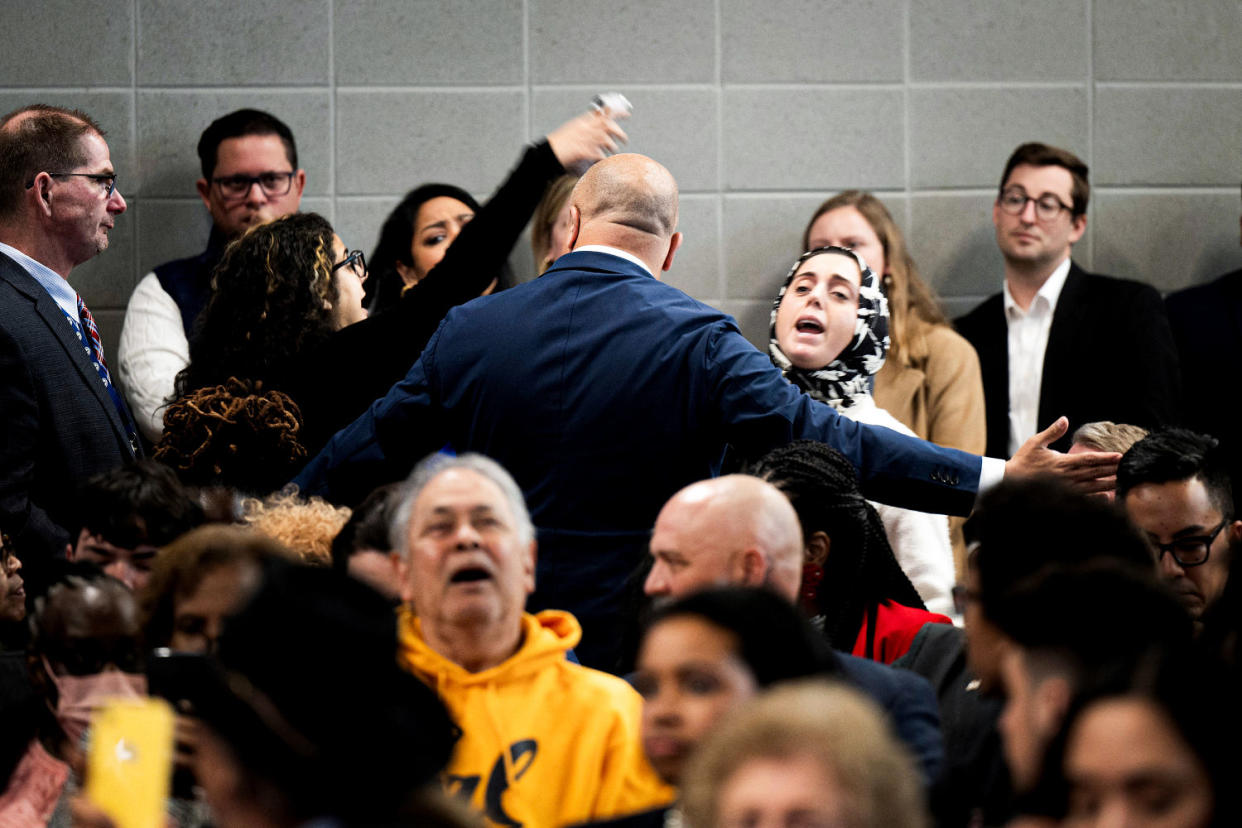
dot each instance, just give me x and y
(51, 281)
(1050, 290)
(613, 251)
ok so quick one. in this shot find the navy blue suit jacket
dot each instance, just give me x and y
(58, 425)
(603, 391)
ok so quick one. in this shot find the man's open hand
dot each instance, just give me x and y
(1090, 472)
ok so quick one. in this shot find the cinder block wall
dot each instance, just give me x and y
(761, 109)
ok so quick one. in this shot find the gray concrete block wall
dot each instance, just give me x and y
(760, 109)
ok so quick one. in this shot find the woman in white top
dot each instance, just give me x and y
(829, 336)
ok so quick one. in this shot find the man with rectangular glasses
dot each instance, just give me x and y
(61, 418)
(1175, 487)
(250, 175)
(1059, 340)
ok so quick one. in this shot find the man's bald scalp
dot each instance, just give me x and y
(629, 190)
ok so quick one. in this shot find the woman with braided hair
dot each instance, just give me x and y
(851, 582)
(829, 336)
(236, 434)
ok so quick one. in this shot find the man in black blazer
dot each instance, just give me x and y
(61, 420)
(1058, 340)
(1207, 327)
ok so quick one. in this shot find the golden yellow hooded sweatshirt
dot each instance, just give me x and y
(545, 742)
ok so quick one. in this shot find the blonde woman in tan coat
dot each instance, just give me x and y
(930, 380)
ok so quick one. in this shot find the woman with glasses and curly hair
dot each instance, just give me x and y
(287, 308)
(280, 295)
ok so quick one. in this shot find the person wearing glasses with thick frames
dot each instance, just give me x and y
(1175, 487)
(1059, 341)
(62, 419)
(250, 175)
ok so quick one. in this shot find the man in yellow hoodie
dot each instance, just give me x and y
(545, 742)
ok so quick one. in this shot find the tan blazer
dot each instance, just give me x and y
(940, 399)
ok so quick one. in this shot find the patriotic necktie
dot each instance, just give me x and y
(92, 336)
(94, 349)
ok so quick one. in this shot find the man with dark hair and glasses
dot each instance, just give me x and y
(1176, 490)
(62, 419)
(250, 175)
(1057, 340)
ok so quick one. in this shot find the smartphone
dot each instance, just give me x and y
(180, 678)
(130, 761)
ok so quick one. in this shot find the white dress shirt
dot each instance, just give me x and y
(1028, 340)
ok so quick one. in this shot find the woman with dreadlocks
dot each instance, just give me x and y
(852, 584)
(829, 336)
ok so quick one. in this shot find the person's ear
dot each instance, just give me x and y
(69, 552)
(528, 567)
(299, 184)
(817, 548)
(204, 191)
(575, 225)
(407, 274)
(1052, 701)
(42, 189)
(1078, 227)
(754, 568)
(674, 242)
(1235, 532)
(405, 584)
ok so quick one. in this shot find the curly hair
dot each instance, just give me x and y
(272, 299)
(912, 305)
(862, 571)
(838, 728)
(235, 434)
(307, 527)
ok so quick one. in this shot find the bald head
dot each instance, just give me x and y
(629, 202)
(736, 530)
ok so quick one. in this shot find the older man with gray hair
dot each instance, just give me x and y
(544, 741)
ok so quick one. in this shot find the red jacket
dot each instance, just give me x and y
(895, 628)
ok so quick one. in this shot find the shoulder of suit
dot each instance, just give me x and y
(1099, 283)
(1209, 294)
(994, 304)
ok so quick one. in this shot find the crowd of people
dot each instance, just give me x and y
(398, 541)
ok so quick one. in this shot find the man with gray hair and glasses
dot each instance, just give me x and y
(250, 175)
(61, 418)
(544, 741)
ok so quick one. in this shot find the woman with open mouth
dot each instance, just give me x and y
(829, 337)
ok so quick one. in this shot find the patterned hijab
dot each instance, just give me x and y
(848, 377)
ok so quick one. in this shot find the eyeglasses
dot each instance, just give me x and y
(1192, 551)
(351, 258)
(1047, 207)
(271, 183)
(106, 181)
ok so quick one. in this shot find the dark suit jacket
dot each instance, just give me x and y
(603, 391)
(1207, 327)
(1110, 356)
(58, 426)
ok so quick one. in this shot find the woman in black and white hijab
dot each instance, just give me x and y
(829, 336)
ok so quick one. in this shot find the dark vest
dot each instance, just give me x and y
(188, 281)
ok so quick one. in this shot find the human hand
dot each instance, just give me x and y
(1090, 472)
(86, 814)
(590, 137)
